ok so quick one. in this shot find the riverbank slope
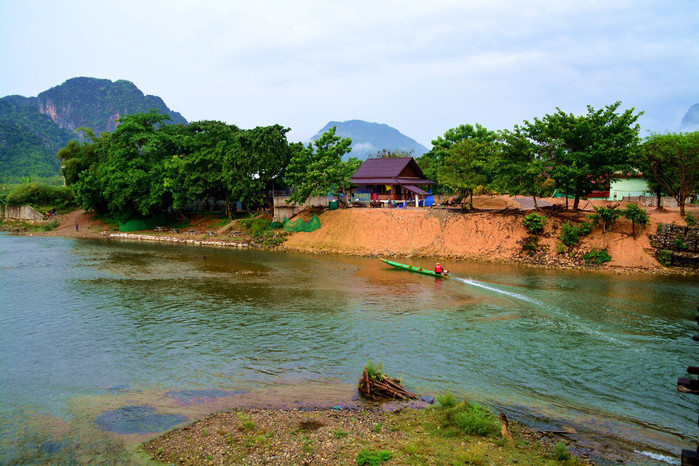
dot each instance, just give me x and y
(494, 232)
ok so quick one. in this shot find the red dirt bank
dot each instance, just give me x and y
(485, 235)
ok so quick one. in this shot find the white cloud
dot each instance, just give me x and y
(422, 67)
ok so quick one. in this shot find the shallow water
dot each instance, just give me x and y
(94, 331)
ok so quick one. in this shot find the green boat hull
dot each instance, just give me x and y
(412, 268)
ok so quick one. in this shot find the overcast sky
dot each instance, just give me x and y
(421, 67)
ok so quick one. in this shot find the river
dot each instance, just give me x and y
(103, 344)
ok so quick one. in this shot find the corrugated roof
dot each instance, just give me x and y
(416, 190)
(389, 171)
(382, 168)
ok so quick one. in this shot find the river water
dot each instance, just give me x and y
(104, 344)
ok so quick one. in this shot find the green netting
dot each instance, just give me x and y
(142, 224)
(299, 225)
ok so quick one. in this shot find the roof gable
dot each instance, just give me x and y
(404, 167)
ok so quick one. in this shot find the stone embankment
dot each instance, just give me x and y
(172, 239)
(677, 245)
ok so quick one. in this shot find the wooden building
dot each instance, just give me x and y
(392, 179)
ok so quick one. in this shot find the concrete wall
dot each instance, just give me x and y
(24, 212)
(282, 209)
(628, 187)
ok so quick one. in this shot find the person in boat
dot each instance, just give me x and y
(438, 269)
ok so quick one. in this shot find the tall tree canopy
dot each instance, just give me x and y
(145, 167)
(432, 161)
(318, 168)
(671, 161)
(581, 153)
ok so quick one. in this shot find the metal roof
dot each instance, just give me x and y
(389, 171)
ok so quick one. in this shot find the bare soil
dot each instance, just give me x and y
(492, 232)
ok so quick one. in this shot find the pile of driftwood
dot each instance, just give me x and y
(382, 386)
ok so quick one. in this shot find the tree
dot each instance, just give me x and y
(76, 156)
(128, 180)
(520, 167)
(671, 161)
(318, 168)
(392, 154)
(431, 162)
(637, 215)
(584, 153)
(463, 168)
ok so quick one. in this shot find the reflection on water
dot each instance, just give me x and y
(89, 327)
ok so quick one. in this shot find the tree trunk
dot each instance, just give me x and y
(536, 206)
(576, 203)
(659, 197)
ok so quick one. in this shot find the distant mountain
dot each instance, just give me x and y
(690, 122)
(33, 129)
(369, 138)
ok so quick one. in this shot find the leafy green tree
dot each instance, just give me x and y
(584, 153)
(464, 167)
(671, 161)
(607, 215)
(520, 167)
(128, 181)
(637, 215)
(431, 162)
(318, 168)
(392, 154)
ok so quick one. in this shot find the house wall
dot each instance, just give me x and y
(627, 187)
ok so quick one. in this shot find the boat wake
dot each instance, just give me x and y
(511, 294)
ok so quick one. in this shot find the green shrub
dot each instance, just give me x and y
(560, 248)
(598, 257)
(373, 458)
(40, 194)
(534, 223)
(50, 226)
(447, 400)
(679, 244)
(690, 219)
(560, 452)
(637, 215)
(531, 245)
(375, 371)
(607, 215)
(571, 234)
(259, 227)
(665, 257)
(464, 417)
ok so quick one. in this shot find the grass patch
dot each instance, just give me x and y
(373, 458)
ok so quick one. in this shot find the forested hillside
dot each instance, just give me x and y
(33, 129)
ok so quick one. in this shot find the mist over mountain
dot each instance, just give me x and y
(370, 138)
(33, 129)
(690, 121)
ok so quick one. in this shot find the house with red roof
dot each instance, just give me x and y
(392, 179)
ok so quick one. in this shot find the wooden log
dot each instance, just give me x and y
(505, 429)
(693, 370)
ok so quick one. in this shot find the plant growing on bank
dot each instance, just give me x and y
(690, 219)
(464, 418)
(679, 244)
(665, 257)
(597, 257)
(373, 458)
(607, 215)
(571, 234)
(534, 223)
(637, 215)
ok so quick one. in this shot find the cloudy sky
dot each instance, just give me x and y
(420, 66)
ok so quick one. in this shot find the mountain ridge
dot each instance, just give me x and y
(33, 129)
(369, 138)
